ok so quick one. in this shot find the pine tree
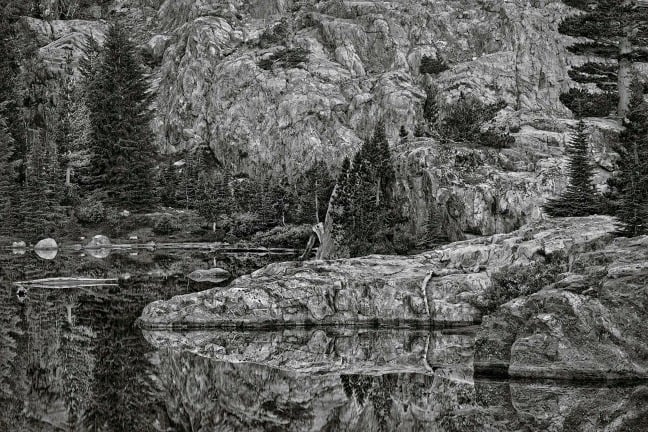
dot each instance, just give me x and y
(8, 183)
(435, 233)
(367, 213)
(632, 210)
(616, 29)
(40, 209)
(580, 198)
(122, 141)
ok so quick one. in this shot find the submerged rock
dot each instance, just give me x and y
(446, 285)
(210, 275)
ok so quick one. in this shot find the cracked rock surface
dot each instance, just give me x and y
(446, 285)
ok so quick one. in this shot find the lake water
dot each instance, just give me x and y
(73, 360)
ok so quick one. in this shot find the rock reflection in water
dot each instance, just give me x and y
(347, 350)
(365, 380)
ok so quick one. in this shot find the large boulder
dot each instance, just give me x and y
(446, 285)
(46, 244)
(591, 324)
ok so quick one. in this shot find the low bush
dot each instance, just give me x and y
(432, 65)
(513, 282)
(584, 103)
(291, 236)
(275, 35)
(90, 212)
(285, 58)
(165, 225)
(465, 119)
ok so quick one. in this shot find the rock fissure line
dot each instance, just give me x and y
(424, 292)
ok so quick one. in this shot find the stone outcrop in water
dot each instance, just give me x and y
(446, 285)
(214, 275)
(590, 324)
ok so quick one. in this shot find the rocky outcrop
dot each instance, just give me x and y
(591, 324)
(446, 285)
(362, 65)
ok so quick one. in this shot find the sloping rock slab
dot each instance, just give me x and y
(446, 285)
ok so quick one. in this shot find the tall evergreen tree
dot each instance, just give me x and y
(15, 48)
(580, 198)
(7, 182)
(632, 209)
(122, 141)
(40, 208)
(366, 212)
(616, 29)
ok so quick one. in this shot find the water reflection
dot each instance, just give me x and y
(71, 360)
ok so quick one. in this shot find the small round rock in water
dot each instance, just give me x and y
(99, 246)
(46, 249)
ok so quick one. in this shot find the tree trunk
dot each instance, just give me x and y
(624, 77)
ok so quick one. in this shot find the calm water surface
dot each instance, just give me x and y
(72, 360)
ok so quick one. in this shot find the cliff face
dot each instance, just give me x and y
(361, 64)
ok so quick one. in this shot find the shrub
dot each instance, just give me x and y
(294, 236)
(513, 282)
(496, 140)
(90, 212)
(165, 225)
(275, 35)
(432, 65)
(584, 103)
(245, 224)
(465, 119)
(285, 58)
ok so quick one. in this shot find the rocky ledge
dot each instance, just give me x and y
(590, 325)
(445, 286)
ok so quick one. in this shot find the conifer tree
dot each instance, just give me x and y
(7, 182)
(616, 30)
(40, 209)
(632, 210)
(367, 213)
(580, 198)
(122, 141)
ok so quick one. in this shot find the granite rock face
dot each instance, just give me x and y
(591, 324)
(446, 285)
(362, 65)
